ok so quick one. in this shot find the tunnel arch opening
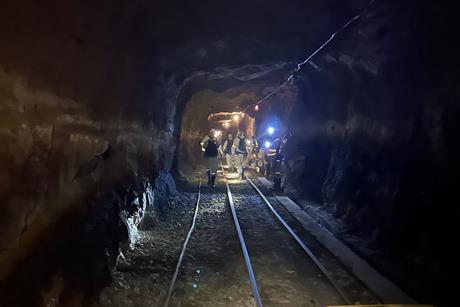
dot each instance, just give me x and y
(313, 108)
(207, 110)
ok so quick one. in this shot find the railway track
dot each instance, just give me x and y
(279, 265)
(304, 246)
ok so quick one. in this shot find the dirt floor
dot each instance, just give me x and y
(213, 272)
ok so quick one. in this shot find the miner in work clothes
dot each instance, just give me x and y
(228, 151)
(210, 147)
(241, 152)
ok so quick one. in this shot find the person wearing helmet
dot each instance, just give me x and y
(210, 148)
(228, 151)
(240, 150)
(252, 149)
(280, 162)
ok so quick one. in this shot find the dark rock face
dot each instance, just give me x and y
(376, 133)
(78, 151)
(92, 97)
(74, 260)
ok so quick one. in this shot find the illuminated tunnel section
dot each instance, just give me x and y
(223, 110)
(196, 123)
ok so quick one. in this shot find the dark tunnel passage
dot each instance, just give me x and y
(103, 105)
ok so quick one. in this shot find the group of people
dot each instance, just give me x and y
(240, 152)
(233, 150)
(276, 161)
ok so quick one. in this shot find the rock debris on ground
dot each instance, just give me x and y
(213, 272)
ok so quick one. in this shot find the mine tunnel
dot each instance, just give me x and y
(119, 186)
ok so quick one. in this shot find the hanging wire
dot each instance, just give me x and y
(299, 65)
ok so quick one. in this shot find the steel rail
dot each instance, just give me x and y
(184, 246)
(247, 259)
(301, 243)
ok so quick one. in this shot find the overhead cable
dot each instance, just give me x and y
(300, 64)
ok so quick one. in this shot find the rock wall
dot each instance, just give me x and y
(60, 165)
(376, 140)
(84, 136)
